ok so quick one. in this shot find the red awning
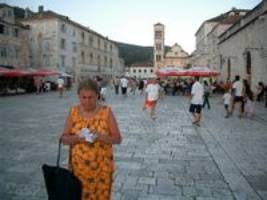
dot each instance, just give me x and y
(44, 72)
(202, 72)
(171, 71)
(13, 72)
(3, 71)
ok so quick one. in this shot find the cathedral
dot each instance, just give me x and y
(175, 56)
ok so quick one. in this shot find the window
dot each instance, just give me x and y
(158, 46)
(73, 62)
(158, 34)
(105, 45)
(63, 28)
(158, 58)
(9, 13)
(46, 46)
(74, 47)
(82, 35)
(62, 61)
(110, 46)
(105, 61)
(139, 70)
(17, 52)
(2, 29)
(151, 70)
(91, 56)
(98, 43)
(134, 70)
(4, 14)
(110, 62)
(83, 58)
(63, 44)
(91, 41)
(73, 32)
(98, 60)
(46, 59)
(3, 52)
(145, 71)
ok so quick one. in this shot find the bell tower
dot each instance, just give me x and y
(159, 36)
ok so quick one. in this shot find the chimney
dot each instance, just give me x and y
(41, 9)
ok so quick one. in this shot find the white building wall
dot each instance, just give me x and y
(250, 39)
(141, 72)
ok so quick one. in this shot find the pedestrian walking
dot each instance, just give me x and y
(227, 102)
(237, 93)
(196, 101)
(124, 86)
(151, 97)
(141, 86)
(60, 86)
(206, 96)
(116, 83)
(90, 131)
(249, 108)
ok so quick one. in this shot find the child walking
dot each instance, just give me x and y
(226, 101)
(249, 108)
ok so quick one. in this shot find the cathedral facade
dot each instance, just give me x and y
(175, 56)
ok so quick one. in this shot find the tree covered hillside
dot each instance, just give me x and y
(135, 54)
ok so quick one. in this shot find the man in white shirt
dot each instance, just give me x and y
(151, 97)
(196, 100)
(237, 92)
(124, 85)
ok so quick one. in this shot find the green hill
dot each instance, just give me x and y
(135, 54)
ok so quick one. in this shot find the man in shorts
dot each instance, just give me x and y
(196, 101)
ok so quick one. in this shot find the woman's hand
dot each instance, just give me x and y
(68, 139)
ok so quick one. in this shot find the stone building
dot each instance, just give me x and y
(176, 56)
(141, 70)
(206, 53)
(59, 43)
(243, 47)
(13, 39)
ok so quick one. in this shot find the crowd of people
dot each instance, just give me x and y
(236, 94)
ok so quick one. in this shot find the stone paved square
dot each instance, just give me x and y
(168, 158)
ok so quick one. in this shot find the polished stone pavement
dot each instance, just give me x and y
(165, 159)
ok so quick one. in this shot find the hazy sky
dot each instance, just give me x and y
(131, 21)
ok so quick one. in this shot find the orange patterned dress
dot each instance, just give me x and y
(92, 163)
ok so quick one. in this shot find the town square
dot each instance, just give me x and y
(165, 119)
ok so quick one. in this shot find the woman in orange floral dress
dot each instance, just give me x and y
(92, 162)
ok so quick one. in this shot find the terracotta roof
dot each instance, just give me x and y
(224, 16)
(221, 17)
(259, 10)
